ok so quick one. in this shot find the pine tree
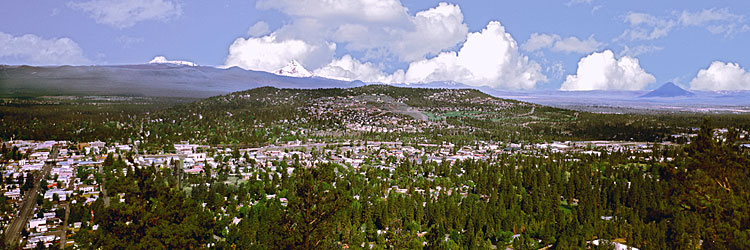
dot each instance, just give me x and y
(314, 207)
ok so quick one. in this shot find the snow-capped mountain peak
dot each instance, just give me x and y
(294, 69)
(161, 59)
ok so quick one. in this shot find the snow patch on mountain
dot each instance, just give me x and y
(162, 60)
(294, 69)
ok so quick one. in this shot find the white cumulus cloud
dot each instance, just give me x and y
(348, 68)
(126, 13)
(556, 43)
(434, 42)
(602, 71)
(32, 49)
(487, 58)
(442, 26)
(722, 76)
(371, 26)
(270, 54)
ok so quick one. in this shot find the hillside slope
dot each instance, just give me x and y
(267, 114)
(153, 80)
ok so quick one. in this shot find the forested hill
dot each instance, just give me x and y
(413, 97)
(382, 112)
(268, 115)
(376, 112)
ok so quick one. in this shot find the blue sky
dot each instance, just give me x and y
(568, 44)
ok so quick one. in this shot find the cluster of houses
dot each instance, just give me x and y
(386, 155)
(71, 177)
(359, 115)
(460, 97)
(384, 114)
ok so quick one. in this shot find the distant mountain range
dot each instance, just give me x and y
(167, 78)
(155, 79)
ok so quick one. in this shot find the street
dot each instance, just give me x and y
(13, 232)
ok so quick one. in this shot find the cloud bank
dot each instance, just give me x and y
(32, 49)
(489, 57)
(126, 13)
(602, 71)
(269, 53)
(348, 68)
(435, 43)
(721, 76)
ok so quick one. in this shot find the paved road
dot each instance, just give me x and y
(103, 188)
(13, 232)
(525, 124)
(529, 113)
(66, 205)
